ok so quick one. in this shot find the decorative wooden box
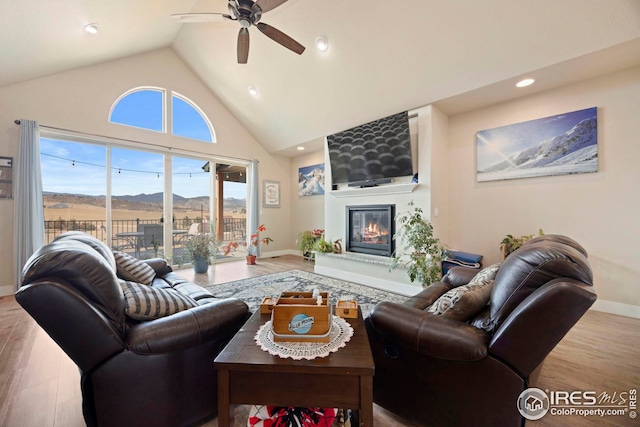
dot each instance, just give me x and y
(347, 309)
(266, 306)
(296, 316)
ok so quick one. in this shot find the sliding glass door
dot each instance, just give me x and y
(74, 187)
(121, 196)
(192, 213)
(137, 202)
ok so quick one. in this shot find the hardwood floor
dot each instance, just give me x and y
(40, 387)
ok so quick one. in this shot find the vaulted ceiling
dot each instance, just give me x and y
(383, 57)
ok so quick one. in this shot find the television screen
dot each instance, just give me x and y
(376, 150)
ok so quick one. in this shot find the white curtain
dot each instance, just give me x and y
(254, 207)
(28, 233)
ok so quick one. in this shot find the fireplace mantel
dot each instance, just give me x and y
(374, 191)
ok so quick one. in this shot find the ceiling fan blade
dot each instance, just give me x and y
(201, 17)
(267, 5)
(243, 46)
(280, 37)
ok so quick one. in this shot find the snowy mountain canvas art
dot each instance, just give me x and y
(311, 180)
(556, 145)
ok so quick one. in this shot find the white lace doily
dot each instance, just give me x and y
(341, 333)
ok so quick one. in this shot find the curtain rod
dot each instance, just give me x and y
(177, 150)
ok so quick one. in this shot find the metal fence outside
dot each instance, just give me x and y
(233, 228)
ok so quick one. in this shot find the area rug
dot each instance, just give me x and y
(253, 290)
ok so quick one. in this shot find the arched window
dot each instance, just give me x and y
(146, 108)
(189, 121)
(140, 107)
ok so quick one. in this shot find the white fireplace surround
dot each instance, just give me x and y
(373, 270)
(369, 270)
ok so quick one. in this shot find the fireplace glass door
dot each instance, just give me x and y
(370, 229)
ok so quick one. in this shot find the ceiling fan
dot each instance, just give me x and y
(247, 13)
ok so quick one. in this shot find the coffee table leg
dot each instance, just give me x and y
(366, 401)
(223, 398)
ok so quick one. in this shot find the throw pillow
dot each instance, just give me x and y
(146, 303)
(487, 273)
(483, 320)
(132, 269)
(464, 302)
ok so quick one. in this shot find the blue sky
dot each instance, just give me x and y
(497, 144)
(76, 168)
(69, 167)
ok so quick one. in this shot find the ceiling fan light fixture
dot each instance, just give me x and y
(253, 91)
(91, 28)
(525, 83)
(322, 44)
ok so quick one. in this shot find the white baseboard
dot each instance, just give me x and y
(385, 285)
(618, 308)
(272, 254)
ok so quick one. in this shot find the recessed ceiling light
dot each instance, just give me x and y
(253, 91)
(525, 82)
(322, 44)
(90, 28)
(300, 148)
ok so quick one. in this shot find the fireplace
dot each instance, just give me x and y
(370, 229)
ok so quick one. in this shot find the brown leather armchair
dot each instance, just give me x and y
(133, 373)
(444, 372)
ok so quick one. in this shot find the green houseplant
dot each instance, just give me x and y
(324, 246)
(307, 240)
(202, 247)
(251, 244)
(422, 252)
(510, 243)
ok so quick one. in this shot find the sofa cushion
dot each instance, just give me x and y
(464, 302)
(144, 302)
(132, 269)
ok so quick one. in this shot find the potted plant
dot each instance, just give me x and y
(307, 240)
(510, 243)
(202, 247)
(324, 246)
(251, 244)
(422, 253)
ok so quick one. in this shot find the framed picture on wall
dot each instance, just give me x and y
(6, 178)
(557, 145)
(271, 194)
(311, 180)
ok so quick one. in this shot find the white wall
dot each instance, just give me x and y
(309, 210)
(600, 210)
(80, 100)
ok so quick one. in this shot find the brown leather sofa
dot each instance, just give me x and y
(133, 373)
(445, 372)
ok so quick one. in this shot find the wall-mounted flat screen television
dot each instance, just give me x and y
(371, 152)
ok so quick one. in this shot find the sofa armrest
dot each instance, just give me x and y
(159, 265)
(427, 296)
(220, 319)
(57, 308)
(458, 276)
(429, 334)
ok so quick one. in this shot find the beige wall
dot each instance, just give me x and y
(308, 210)
(600, 210)
(80, 100)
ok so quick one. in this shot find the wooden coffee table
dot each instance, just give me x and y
(248, 375)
